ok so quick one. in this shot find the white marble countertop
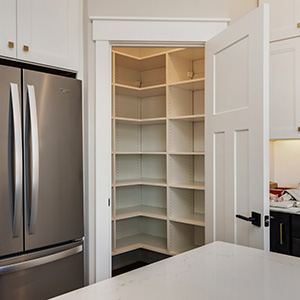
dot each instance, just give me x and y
(292, 210)
(216, 271)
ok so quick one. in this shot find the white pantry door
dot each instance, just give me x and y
(237, 131)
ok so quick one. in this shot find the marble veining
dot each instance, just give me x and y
(213, 272)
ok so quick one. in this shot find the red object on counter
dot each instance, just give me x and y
(278, 191)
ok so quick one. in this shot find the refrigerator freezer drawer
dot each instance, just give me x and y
(43, 274)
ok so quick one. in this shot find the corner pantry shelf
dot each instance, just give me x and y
(140, 153)
(142, 181)
(190, 218)
(192, 84)
(141, 210)
(188, 153)
(144, 241)
(192, 118)
(141, 121)
(148, 91)
(158, 149)
(194, 185)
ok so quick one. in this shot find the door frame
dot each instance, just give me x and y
(123, 31)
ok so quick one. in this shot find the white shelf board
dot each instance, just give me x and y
(142, 181)
(141, 64)
(150, 91)
(139, 57)
(193, 84)
(141, 210)
(187, 153)
(191, 118)
(141, 121)
(190, 54)
(162, 51)
(141, 153)
(142, 240)
(196, 219)
(195, 185)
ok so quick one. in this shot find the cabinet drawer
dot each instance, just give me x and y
(295, 247)
(296, 226)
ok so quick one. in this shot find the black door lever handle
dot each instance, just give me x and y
(250, 219)
(254, 219)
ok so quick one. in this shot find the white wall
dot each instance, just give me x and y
(234, 9)
(239, 8)
(160, 8)
(285, 163)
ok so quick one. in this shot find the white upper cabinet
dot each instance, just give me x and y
(284, 18)
(47, 31)
(8, 23)
(284, 89)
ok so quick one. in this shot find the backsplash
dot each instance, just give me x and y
(285, 162)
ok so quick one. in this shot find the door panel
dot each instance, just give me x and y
(236, 154)
(54, 175)
(10, 242)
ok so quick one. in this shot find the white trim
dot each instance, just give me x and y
(108, 31)
(161, 19)
(103, 160)
(160, 31)
(157, 44)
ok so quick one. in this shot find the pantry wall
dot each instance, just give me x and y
(158, 187)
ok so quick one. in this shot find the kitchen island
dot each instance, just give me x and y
(215, 271)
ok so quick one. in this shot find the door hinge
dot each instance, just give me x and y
(267, 221)
(108, 201)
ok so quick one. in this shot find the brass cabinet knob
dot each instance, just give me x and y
(11, 44)
(26, 48)
(299, 129)
(298, 25)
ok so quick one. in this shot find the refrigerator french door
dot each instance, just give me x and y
(41, 184)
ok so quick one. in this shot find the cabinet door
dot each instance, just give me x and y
(284, 89)
(284, 18)
(296, 235)
(280, 240)
(48, 32)
(8, 10)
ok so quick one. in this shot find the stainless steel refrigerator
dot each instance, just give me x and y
(41, 184)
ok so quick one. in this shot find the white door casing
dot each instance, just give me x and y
(122, 31)
(237, 131)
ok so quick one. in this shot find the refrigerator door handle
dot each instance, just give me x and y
(16, 187)
(39, 261)
(32, 200)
